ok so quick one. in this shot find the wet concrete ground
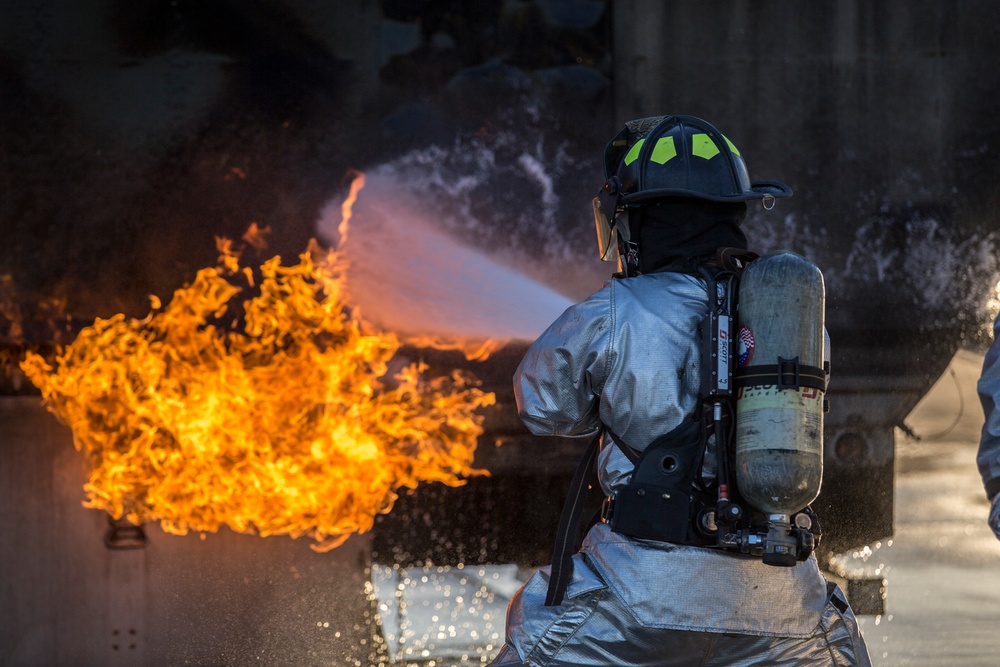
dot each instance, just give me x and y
(943, 562)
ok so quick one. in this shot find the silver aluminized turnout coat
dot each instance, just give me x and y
(629, 356)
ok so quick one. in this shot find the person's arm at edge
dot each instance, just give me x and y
(988, 457)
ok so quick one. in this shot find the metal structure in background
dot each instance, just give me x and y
(224, 599)
(132, 134)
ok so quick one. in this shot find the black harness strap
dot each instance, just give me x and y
(569, 519)
(659, 500)
(569, 523)
(786, 374)
(630, 452)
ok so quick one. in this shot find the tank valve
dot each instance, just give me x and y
(781, 547)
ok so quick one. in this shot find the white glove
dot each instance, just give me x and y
(994, 519)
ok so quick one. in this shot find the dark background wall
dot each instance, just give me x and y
(879, 114)
(132, 133)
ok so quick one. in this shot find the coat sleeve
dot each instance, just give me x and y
(559, 381)
(989, 394)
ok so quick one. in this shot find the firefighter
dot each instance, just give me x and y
(626, 363)
(989, 444)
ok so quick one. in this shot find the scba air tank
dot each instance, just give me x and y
(782, 383)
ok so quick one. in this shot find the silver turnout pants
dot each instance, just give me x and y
(595, 629)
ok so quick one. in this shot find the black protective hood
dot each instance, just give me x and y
(679, 233)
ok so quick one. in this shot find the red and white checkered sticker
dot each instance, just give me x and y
(746, 346)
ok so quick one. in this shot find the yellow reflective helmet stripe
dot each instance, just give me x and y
(664, 150)
(633, 152)
(702, 146)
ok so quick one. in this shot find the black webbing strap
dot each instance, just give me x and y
(786, 374)
(569, 524)
(630, 452)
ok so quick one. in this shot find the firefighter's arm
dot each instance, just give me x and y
(557, 385)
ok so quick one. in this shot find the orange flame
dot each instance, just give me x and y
(289, 423)
(257, 236)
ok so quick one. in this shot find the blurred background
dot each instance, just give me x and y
(132, 134)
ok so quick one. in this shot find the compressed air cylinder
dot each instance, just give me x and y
(779, 423)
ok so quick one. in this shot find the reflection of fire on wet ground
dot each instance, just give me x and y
(281, 413)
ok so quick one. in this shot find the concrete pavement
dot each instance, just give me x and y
(943, 562)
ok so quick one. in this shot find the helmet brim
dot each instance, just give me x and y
(758, 190)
